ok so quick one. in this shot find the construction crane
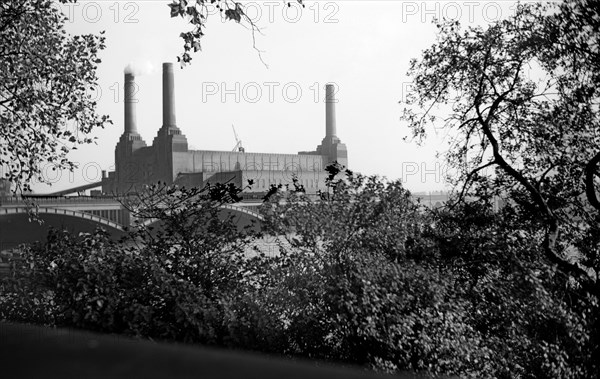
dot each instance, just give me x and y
(238, 143)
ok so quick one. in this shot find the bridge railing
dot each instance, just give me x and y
(4, 200)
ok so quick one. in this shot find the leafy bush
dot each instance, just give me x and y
(167, 282)
(363, 276)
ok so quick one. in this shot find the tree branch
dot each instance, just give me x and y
(590, 189)
(552, 232)
(468, 179)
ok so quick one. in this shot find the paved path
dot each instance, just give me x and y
(34, 352)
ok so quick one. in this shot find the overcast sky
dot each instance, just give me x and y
(362, 46)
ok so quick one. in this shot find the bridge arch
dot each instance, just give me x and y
(16, 227)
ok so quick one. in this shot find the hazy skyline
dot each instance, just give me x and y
(364, 47)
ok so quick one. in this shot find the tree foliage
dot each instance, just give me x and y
(528, 313)
(519, 100)
(47, 78)
(521, 96)
(359, 282)
(171, 278)
(197, 12)
(363, 275)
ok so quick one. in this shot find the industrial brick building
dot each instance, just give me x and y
(169, 160)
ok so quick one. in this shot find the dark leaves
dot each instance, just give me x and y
(51, 77)
(333, 170)
(234, 14)
(273, 189)
(197, 12)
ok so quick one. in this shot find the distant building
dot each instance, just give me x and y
(437, 199)
(169, 159)
(432, 199)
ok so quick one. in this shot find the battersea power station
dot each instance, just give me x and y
(169, 160)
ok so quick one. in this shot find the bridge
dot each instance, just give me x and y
(82, 214)
(85, 213)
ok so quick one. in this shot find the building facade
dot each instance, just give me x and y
(170, 161)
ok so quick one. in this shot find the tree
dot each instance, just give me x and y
(519, 99)
(174, 278)
(364, 276)
(47, 78)
(536, 324)
(357, 281)
(521, 96)
(197, 12)
(186, 229)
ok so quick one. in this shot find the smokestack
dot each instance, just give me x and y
(168, 96)
(330, 110)
(130, 101)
